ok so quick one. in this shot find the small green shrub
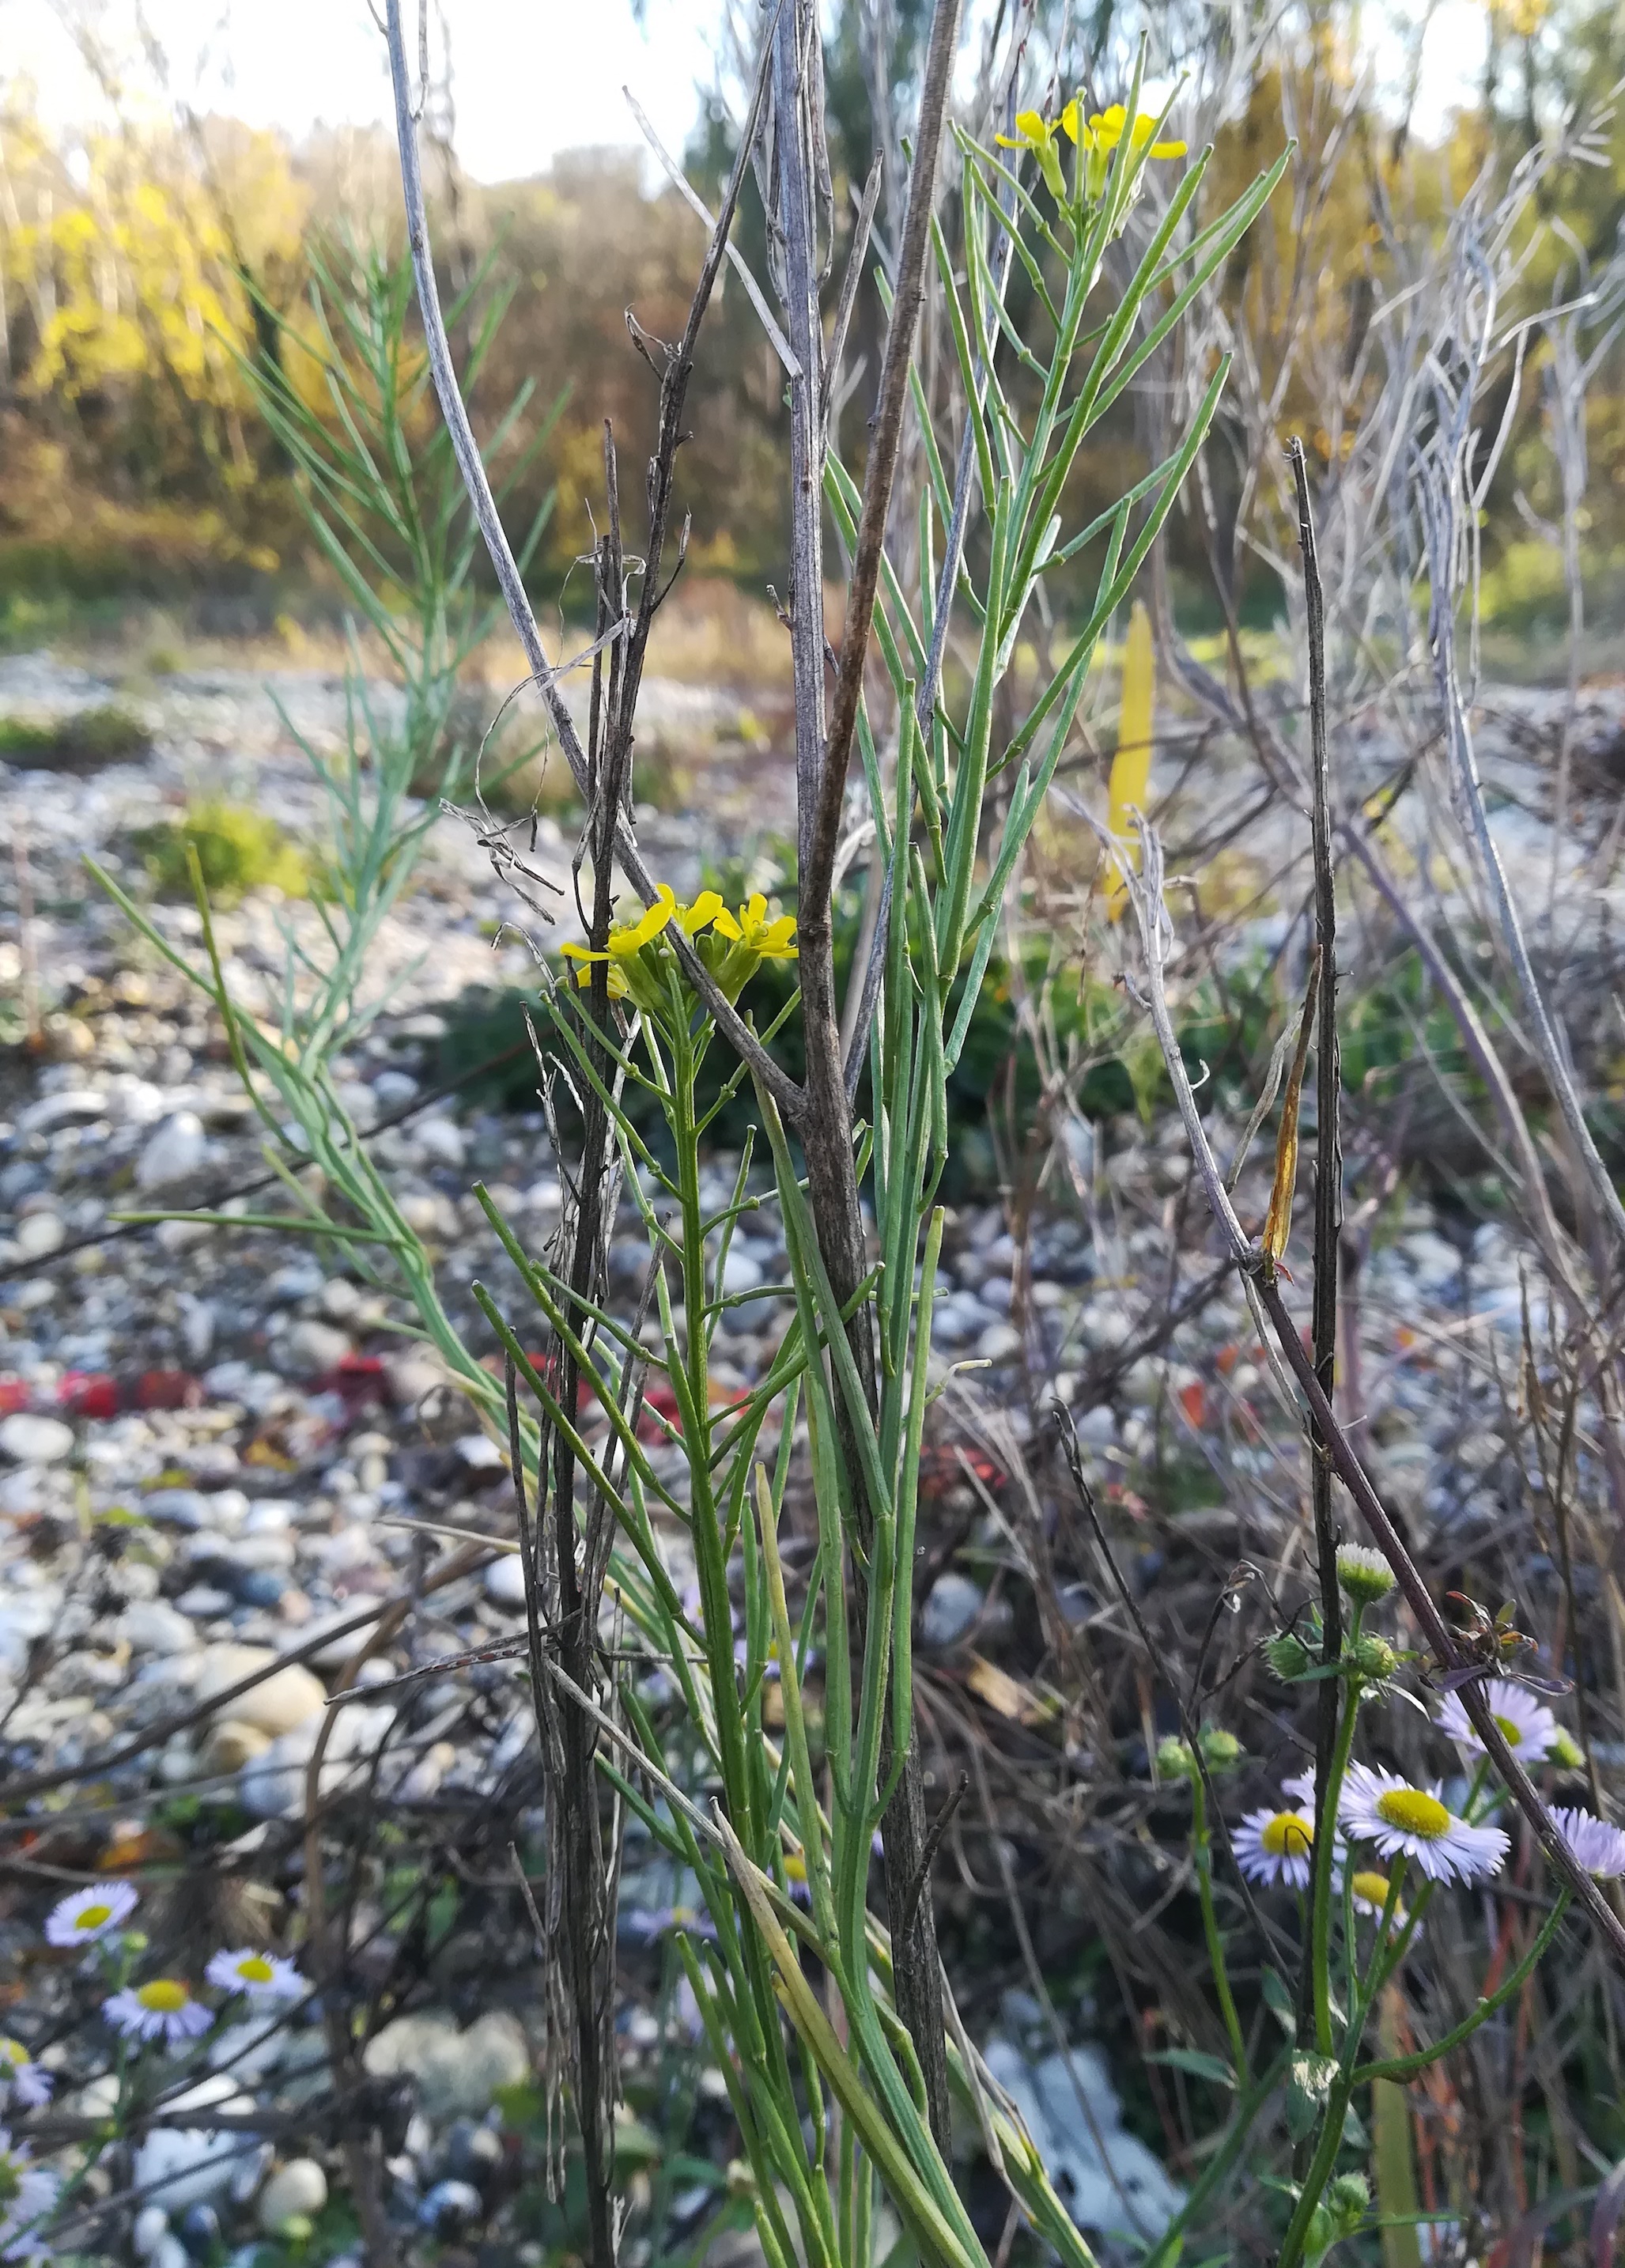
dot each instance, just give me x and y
(238, 848)
(81, 742)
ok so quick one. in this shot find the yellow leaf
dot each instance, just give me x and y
(1006, 1695)
(1278, 1220)
(1131, 766)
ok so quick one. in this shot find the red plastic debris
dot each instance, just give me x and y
(89, 1394)
(359, 1381)
(166, 1389)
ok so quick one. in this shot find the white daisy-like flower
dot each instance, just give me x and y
(22, 2075)
(163, 2009)
(262, 1976)
(1300, 1788)
(1384, 1809)
(28, 2193)
(85, 1914)
(1369, 1891)
(1527, 1727)
(1276, 1846)
(1593, 1843)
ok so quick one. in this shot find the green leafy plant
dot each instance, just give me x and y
(236, 847)
(840, 2094)
(84, 740)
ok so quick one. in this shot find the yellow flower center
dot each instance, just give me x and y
(1288, 1835)
(14, 2052)
(163, 1995)
(1510, 1732)
(93, 1916)
(256, 1970)
(1413, 1813)
(1372, 1888)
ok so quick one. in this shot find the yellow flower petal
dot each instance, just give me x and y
(704, 909)
(624, 942)
(726, 926)
(574, 952)
(1170, 148)
(1071, 119)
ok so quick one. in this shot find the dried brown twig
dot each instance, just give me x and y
(1146, 889)
(472, 466)
(1328, 1228)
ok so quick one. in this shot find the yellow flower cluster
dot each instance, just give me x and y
(1095, 137)
(732, 945)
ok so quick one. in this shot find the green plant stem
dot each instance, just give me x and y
(1320, 2168)
(1396, 2067)
(1202, 1853)
(1321, 1911)
(1375, 1973)
(1219, 2167)
(1406, 2067)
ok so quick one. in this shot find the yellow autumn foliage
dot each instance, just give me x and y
(1131, 767)
(130, 263)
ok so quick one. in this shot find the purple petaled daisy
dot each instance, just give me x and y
(19, 2073)
(85, 1914)
(1384, 1809)
(648, 1925)
(163, 2009)
(262, 1976)
(1593, 1843)
(27, 2192)
(1528, 1727)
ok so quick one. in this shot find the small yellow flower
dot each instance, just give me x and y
(1038, 133)
(704, 910)
(767, 940)
(1099, 135)
(740, 942)
(624, 947)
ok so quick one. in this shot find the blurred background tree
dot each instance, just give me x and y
(133, 458)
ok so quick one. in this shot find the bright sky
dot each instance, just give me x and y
(530, 77)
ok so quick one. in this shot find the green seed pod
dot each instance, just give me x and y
(1288, 1656)
(1221, 1750)
(1372, 1657)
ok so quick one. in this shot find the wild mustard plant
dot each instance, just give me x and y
(826, 2083)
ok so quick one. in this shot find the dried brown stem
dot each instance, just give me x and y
(729, 1022)
(1146, 889)
(885, 439)
(827, 1122)
(1327, 1213)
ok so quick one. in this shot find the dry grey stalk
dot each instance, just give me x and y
(1327, 1201)
(452, 409)
(820, 775)
(1146, 889)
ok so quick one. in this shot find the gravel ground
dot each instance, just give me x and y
(210, 1438)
